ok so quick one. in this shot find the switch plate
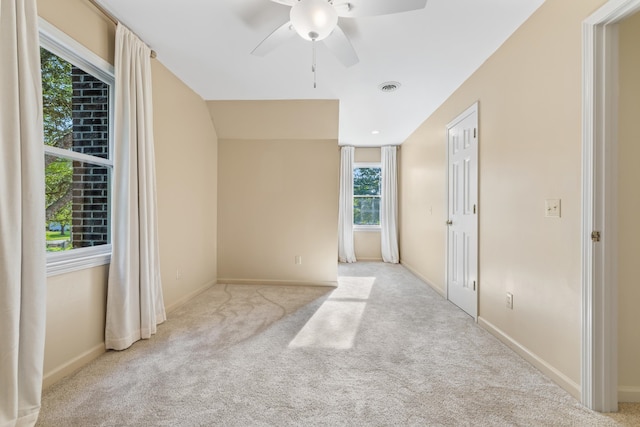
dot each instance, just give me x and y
(298, 259)
(510, 300)
(552, 208)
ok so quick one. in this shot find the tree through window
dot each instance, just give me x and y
(366, 195)
(77, 159)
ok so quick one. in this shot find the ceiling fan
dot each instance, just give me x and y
(317, 20)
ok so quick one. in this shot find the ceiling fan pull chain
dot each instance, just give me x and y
(313, 62)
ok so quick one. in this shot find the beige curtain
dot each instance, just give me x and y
(22, 220)
(389, 206)
(134, 296)
(346, 248)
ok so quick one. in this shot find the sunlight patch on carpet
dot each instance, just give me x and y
(337, 321)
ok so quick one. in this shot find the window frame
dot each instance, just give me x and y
(356, 165)
(70, 50)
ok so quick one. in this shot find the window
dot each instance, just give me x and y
(366, 195)
(77, 93)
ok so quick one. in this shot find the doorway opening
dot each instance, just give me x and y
(600, 205)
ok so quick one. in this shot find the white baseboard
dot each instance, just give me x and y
(628, 394)
(362, 259)
(191, 295)
(556, 376)
(276, 282)
(424, 279)
(73, 365)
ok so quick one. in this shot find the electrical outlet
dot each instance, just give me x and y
(552, 208)
(509, 300)
(298, 259)
(178, 274)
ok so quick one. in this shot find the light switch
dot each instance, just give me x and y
(552, 208)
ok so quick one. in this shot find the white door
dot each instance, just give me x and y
(462, 224)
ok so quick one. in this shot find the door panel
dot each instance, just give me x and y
(462, 242)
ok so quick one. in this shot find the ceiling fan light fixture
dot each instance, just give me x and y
(313, 19)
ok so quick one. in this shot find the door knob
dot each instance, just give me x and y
(449, 222)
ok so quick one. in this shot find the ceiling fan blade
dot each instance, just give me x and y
(257, 14)
(285, 2)
(275, 39)
(338, 43)
(351, 28)
(360, 8)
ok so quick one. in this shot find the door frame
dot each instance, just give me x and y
(474, 108)
(599, 370)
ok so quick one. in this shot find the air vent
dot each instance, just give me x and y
(389, 86)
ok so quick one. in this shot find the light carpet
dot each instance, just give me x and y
(382, 349)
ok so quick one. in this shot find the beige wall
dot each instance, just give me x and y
(529, 150)
(187, 180)
(366, 155)
(367, 243)
(76, 304)
(278, 191)
(270, 120)
(186, 150)
(82, 22)
(628, 208)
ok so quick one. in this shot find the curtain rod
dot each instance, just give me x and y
(370, 146)
(113, 19)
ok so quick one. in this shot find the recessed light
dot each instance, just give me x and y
(389, 86)
(375, 132)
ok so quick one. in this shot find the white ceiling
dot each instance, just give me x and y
(431, 52)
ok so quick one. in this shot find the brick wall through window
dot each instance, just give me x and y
(90, 116)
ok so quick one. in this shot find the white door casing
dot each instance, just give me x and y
(462, 223)
(599, 376)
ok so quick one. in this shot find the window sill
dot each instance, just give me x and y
(367, 228)
(77, 259)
